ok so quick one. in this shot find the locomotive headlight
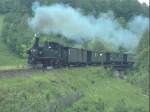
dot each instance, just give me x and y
(100, 54)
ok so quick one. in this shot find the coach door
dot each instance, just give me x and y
(107, 58)
(89, 55)
(124, 58)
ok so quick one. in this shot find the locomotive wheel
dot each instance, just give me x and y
(57, 64)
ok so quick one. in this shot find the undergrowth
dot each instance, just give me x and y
(89, 89)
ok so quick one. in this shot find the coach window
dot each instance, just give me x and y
(100, 54)
(49, 47)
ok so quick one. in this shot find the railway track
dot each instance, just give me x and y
(26, 72)
(18, 72)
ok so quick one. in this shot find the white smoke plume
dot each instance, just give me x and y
(72, 23)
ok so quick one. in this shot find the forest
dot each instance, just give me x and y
(18, 36)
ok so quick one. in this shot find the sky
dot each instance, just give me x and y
(144, 1)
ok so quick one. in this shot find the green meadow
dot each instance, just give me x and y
(55, 91)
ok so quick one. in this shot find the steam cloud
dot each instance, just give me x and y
(71, 23)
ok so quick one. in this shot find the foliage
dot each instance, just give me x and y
(140, 75)
(1, 23)
(121, 107)
(138, 109)
(142, 52)
(34, 94)
(9, 61)
(18, 36)
(20, 39)
(39, 92)
(121, 8)
(122, 21)
(98, 45)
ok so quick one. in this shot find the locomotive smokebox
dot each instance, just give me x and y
(36, 44)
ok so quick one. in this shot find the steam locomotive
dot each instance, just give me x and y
(56, 55)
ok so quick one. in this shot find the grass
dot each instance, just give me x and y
(1, 22)
(8, 60)
(100, 92)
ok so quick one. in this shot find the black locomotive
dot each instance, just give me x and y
(56, 55)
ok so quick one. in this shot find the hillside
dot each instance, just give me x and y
(18, 35)
(8, 59)
(1, 22)
(78, 89)
(89, 89)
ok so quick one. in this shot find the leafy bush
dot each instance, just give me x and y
(138, 109)
(90, 106)
(121, 107)
(139, 76)
(100, 105)
(18, 36)
(62, 87)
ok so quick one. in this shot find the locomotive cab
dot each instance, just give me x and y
(51, 54)
(51, 50)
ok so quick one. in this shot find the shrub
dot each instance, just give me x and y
(121, 107)
(138, 109)
(100, 106)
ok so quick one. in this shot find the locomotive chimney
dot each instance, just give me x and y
(36, 44)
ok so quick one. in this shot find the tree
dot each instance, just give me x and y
(98, 45)
(142, 51)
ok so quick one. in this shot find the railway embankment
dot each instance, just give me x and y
(88, 89)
